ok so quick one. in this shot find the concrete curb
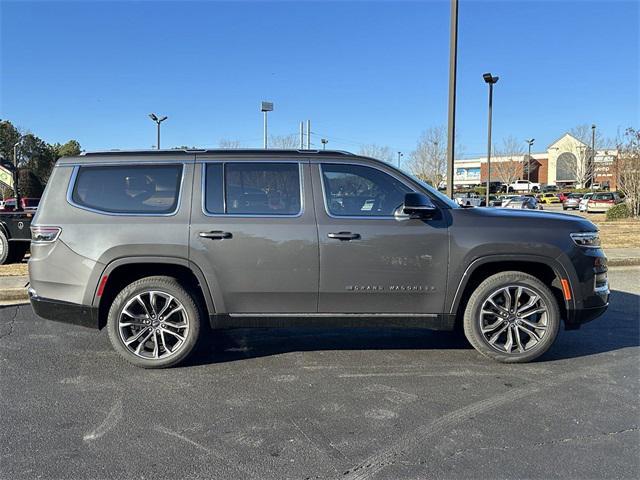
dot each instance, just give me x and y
(623, 262)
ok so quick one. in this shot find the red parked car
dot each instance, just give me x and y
(563, 196)
(27, 203)
(603, 201)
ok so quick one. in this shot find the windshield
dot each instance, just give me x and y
(440, 196)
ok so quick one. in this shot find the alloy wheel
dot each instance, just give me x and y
(153, 325)
(513, 319)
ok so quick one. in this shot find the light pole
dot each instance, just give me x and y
(400, 155)
(451, 127)
(491, 80)
(593, 154)
(324, 142)
(264, 108)
(158, 121)
(529, 143)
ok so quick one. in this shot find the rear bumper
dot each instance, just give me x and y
(65, 312)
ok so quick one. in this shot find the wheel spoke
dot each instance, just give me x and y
(156, 347)
(492, 327)
(497, 307)
(177, 309)
(129, 341)
(509, 343)
(179, 337)
(533, 325)
(517, 299)
(531, 334)
(164, 343)
(495, 336)
(518, 341)
(144, 305)
(532, 312)
(169, 299)
(533, 299)
(507, 297)
(137, 316)
(174, 325)
(142, 342)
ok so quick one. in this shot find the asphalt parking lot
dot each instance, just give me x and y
(367, 404)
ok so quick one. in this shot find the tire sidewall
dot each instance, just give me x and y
(4, 252)
(164, 284)
(472, 312)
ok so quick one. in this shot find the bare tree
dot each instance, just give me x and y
(508, 161)
(377, 151)
(627, 168)
(227, 144)
(285, 142)
(429, 159)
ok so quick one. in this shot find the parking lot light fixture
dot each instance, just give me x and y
(265, 107)
(529, 143)
(490, 80)
(158, 121)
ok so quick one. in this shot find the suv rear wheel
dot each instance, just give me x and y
(154, 322)
(512, 317)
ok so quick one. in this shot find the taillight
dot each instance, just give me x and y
(45, 234)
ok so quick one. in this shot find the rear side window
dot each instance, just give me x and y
(253, 188)
(603, 196)
(128, 189)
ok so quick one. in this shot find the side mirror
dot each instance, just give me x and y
(418, 205)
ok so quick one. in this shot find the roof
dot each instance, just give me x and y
(233, 151)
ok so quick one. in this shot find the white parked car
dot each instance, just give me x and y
(524, 186)
(582, 206)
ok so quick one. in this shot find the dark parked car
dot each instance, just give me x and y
(523, 202)
(158, 245)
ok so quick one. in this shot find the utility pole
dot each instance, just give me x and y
(158, 121)
(451, 128)
(400, 154)
(301, 135)
(16, 175)
(593, 155)
(491, 81)
(308, 134)
(529, 143)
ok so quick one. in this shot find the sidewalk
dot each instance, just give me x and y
(13, 289)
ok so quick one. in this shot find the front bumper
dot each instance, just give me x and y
(65, 312)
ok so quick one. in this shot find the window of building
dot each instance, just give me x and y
(128, 189)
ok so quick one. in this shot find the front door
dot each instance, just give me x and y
(254, 236)
(373, 259)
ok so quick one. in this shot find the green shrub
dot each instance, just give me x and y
(618, 212)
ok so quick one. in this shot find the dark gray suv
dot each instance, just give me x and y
(157, 246)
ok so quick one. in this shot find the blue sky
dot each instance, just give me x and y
(363, 72)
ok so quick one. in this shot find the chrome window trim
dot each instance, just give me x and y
(365, 217)
(74, 175)
(203, 191)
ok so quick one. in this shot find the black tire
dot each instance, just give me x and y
(549, 319)
(17, 251)
(4, 249)
(193, 317)
(564, 208)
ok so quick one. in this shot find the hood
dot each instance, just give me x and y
(531, 218)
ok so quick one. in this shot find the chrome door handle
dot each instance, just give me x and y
(215, 235)
(344, 236)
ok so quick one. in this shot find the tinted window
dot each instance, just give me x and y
(355, 190)
(129, 189)
(253, 188)
(603, 196)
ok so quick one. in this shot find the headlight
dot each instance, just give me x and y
(587, 239)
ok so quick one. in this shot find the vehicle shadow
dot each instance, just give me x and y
(618, 328)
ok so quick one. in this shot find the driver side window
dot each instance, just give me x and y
(359, 191)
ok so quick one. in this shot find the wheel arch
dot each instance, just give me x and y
(124, 271)
(545, 269)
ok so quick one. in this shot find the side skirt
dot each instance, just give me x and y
(442, 321)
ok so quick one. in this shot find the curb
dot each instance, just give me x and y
(14, 294)
(623, 262)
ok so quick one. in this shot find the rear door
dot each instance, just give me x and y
(254, 236)
(371, 259)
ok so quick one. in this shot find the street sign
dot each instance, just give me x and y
(6, 177)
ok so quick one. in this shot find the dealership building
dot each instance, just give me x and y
(565, 163)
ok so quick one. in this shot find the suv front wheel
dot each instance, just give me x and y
(154, 322)
(512, 317)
